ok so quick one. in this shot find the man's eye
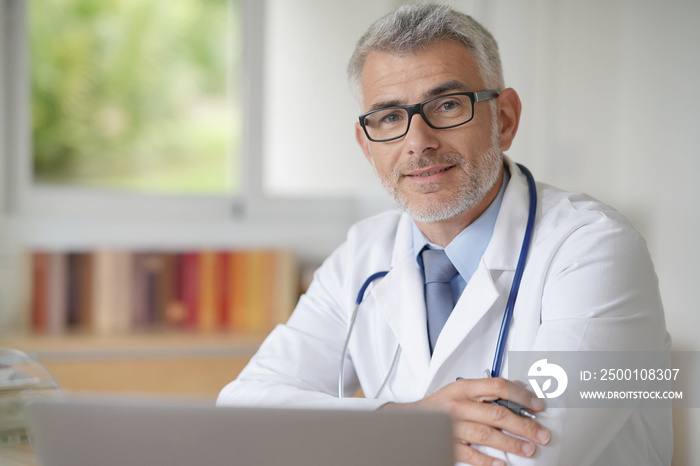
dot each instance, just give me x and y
(391, 118)
(450, 106)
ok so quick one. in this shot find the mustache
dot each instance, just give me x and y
(425, 161)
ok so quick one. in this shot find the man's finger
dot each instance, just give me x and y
(466, 454)
(491, 389)
(481, 434)
(499, 417)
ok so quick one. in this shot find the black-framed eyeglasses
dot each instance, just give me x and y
(442, 112)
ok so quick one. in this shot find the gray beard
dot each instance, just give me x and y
(482, 175)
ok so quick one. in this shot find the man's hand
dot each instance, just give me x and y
(479, 422)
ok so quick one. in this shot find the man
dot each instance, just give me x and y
(436, 120)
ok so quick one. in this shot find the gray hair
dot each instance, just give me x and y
(413, 27)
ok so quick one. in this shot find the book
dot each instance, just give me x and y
(85, 289)
(157, 284)
(73, 294)
(288, 289)
(190, 288)
(57, 293)
(209, 286)
(112, 292)
(167, 292)
(176, 310)
(224, 295)
(139, 309)
(237, 292)
(40, 279)
(257, 279)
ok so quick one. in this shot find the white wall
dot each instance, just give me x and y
(309, 138)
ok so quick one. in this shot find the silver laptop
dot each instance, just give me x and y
(90, 431)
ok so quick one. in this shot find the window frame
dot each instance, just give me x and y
(84, 218)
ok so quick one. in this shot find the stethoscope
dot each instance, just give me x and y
(507, 315)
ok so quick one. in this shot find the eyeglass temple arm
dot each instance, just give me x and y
(485, 95)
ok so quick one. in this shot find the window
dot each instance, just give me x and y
(72, 208)
(136, 95)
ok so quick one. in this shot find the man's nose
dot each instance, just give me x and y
(420, 136)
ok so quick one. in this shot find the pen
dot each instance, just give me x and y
(517, 408)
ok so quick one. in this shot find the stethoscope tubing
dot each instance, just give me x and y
(519, 269)
(358, 301)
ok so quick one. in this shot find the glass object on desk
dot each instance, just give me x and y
(19, 374)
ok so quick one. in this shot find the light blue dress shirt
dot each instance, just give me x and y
(466, 250)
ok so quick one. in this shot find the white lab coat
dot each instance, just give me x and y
(589, 284)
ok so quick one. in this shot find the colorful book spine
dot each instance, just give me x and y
(237, 292)
(209, 307)
(224, 295)
(167, 293)
(287, 286)
(190, 288)
(40, 294)
(257, 279)
(84, 274)
(57, 299)
(175, 310)
(103, 285)
(110, 291)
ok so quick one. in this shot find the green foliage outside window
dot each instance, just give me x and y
(136, 94)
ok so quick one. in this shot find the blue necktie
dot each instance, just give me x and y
(438, 293)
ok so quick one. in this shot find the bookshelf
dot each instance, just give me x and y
(117, 291)
(181, 323)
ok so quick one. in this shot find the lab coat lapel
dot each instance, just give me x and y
(503, 251)
(482, 291)
(399, 297)
(477, 299)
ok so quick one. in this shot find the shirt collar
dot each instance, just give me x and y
(467, 248)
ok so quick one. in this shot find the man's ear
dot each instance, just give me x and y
(509, 107)
(363, 142)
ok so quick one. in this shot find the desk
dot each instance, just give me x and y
(17, 455)
(178, 364)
